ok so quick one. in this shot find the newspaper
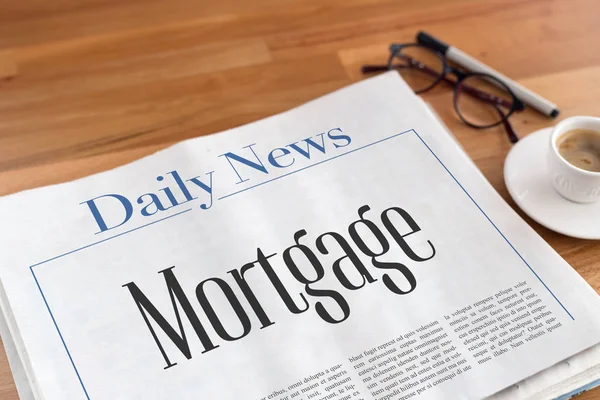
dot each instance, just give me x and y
(346, 249)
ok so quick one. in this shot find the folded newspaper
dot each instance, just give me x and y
(347, 249)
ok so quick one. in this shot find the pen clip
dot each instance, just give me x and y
(427, 40)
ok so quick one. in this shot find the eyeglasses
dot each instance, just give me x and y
(480, 100)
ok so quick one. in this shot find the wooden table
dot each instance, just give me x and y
(92, 84)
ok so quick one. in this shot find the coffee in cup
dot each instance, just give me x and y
(574, 159)
(581, 148)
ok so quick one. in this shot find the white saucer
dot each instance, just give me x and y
(527, 181)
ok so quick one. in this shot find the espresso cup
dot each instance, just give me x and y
(571, 182)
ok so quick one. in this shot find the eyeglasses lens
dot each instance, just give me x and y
(420, 67)
(482, 101)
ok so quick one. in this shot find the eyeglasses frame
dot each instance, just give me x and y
(460, 76)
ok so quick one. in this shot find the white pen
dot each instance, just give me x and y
(528, 97)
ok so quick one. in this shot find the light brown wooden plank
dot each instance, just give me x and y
(8, 65)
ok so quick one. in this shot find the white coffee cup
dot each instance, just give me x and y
(571, 182)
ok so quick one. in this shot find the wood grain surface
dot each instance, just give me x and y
(87, 85)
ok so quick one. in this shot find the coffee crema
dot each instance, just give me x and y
(581, 148)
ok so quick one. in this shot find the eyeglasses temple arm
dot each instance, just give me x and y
(366, 69)
(512, 136)
(486, 97)
(483, 96)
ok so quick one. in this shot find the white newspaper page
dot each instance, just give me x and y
(343, 250)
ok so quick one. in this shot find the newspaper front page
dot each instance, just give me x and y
(346, 250)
